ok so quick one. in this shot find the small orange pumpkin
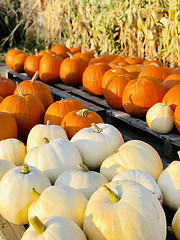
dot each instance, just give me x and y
(74, 50)
(86, 56)
(7, 86)
(31, 64)
(11, 53)
(148, 62)
(172, 96)
(18, 62)
(134, 60)
(60, 50)
(8, 126)
(45, 51)
(171, 81)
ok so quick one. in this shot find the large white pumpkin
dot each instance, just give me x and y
(15, 192)
(132, 212)
(54, 157)
(176, 224)
(96, 143)
(133, 154)
(39, 131)
(5, 166)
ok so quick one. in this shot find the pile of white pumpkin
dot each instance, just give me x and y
(94, 186)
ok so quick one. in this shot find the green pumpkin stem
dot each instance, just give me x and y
(35, 77)
(19, 90)
(113, 196)
(83, 167)
(96, 128)
(25, 168)
(164, 102)
(39, 227)
(35, 194)
(45, 140)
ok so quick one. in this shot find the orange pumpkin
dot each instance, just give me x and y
(7, 87)
(177, 117)
(135, 68)
(171, 81)
(10, 56)
(141, 94)
(31, 64)
(156, 71)
(49, 68)
(148, 62)
(18, 62)
(92, 78)
(27, 110)
(71, 70)
(118, 63)
(60, 50)
(45, 51)
(100, 59)
(77, 120)
(176, 70)
(134, 60)
(57, 110)
(74, 50)
(8, 126)
(110, 57)
(38, 89)
(86, 56)
(172, 97)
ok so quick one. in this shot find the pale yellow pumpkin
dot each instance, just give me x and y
(176, 224)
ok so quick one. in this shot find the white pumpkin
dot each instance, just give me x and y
(54, 157)
(160, 118)
(5, 166)
(53, 228)
(133, 154)
(96, 143)
(142, 178)
(60, 201)
(176, 223)
(126, 211)
(39, 131)
(82, 179)
(13, 150)
(169, 183)
(15, 192)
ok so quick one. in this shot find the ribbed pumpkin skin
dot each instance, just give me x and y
(10, 56)
(92, 78)
(27, 110)
(141, 94)
(8, 126)
(7, 87)
(60, 50)
(73, 122)
(171, 81)
(38, 89)
(18, 62)
(31, 65)
(57, 110)
(172, 96)
(49, 68)
(177, 117)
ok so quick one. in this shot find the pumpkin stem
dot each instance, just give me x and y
(154, 64)
(84, 167)
(96, 128)
(113, 196)
(36, 52)
(25, 168)
(35, 77)
(70, 55)
(45, 140)
(19, 90)
(35, 194)
(178, 154)
(82, 113)
(164, 102)
(47, 49)
(48, 122)
(170, 229)
(39, 227)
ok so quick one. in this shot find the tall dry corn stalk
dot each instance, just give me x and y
(147, 28)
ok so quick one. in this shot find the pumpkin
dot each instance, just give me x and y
(100, 59)
(31, 64)
(134, 68)
(176, 70)
(156, 71)
(142, 178)
(39, 131)
(71, 70)
(49, 68)
(15, 192)
(53, 228)
(74, 50)
(110, 56)
(176, 224)
(86, 56)
(11, 53)
(92, 78)
(82, 180)
(169, 184)
(96, 143)
(18, 62)
(8, 126)
(27, 110)
(171, 81)
(7, 86)
(148, 62)
(124, 210)
(133, 154)
(36, 88)
(140, 94)
(114, 90)
(116, 63)
(71, 204)
(45, 51)
(13, 150)
(177, 117)
(54, 157)
(134, 60)
(160, 118)
(5, 166)
(57, 110)
(172, 97)
(60, 50)
(76, 120)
